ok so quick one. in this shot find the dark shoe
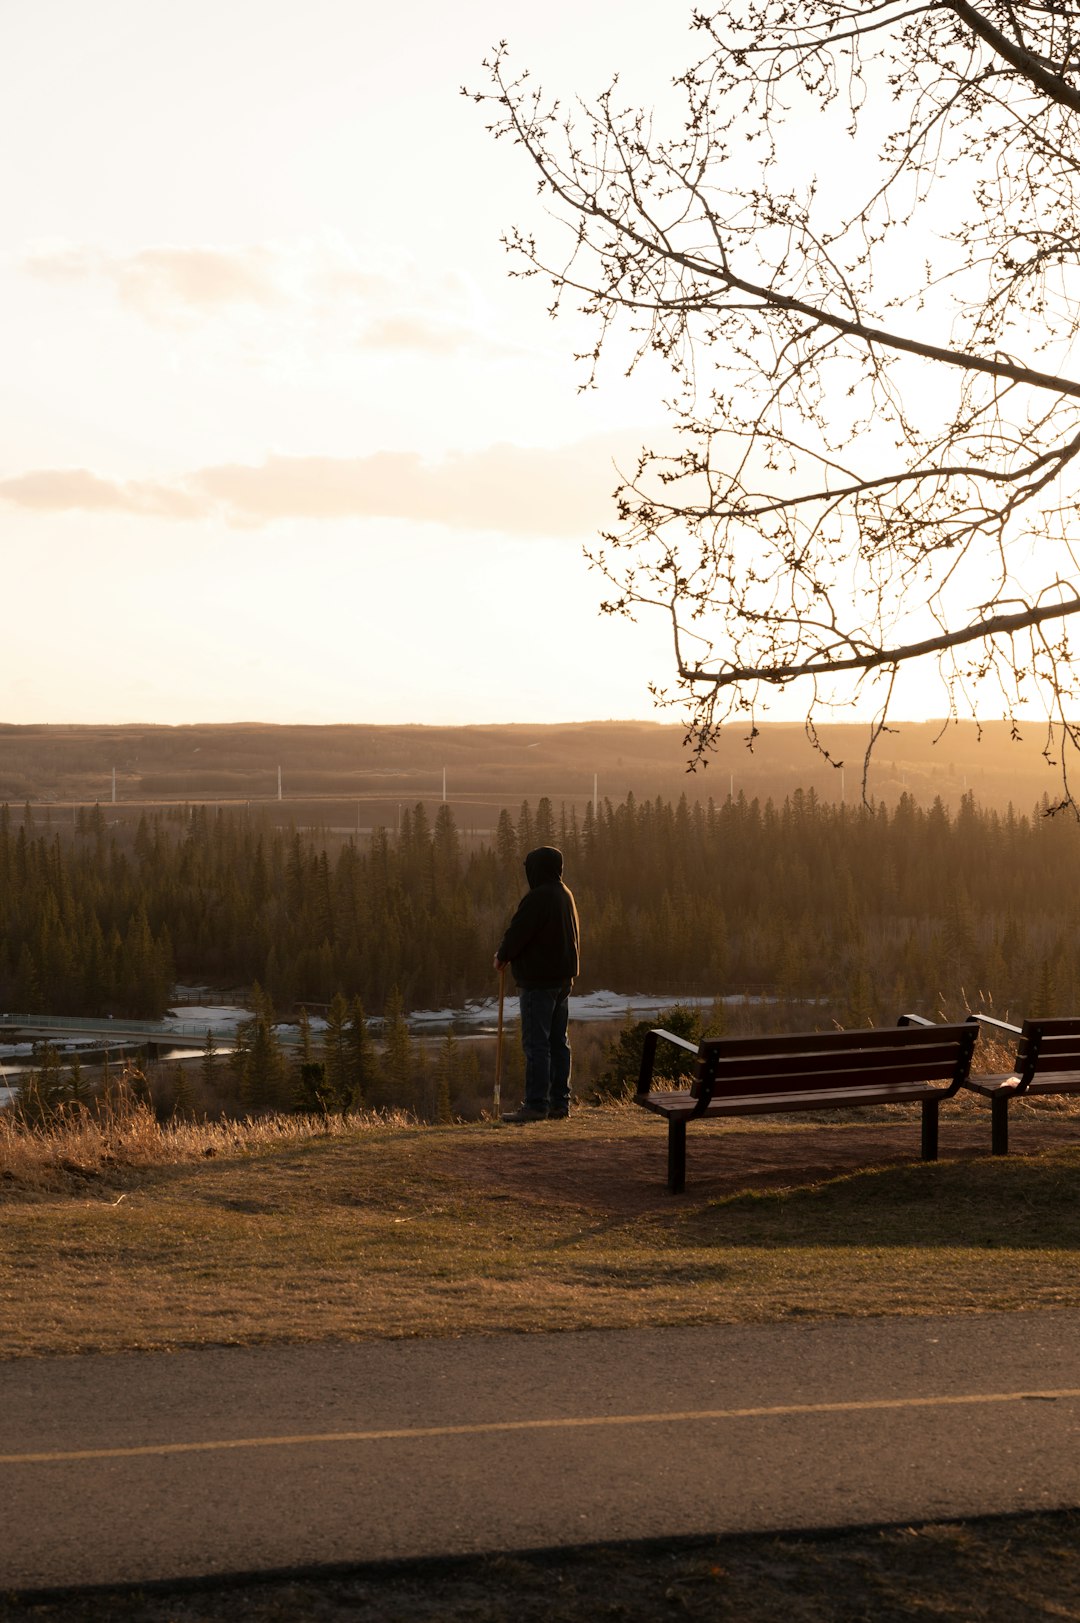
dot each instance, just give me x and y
(559, 1115)
(524, 1113)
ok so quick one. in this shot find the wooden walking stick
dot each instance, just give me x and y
(497, 1103)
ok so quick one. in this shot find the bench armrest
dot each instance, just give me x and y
(680, 1042)
(1002, 1025)
(965, 1053)
(648, 1054)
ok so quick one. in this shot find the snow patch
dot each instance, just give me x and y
(197, 1019)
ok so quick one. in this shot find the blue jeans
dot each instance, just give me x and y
(544, 1013)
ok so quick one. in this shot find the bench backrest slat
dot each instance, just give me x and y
(833, 1041)
(934, 1058)
(1058, 1026)
(746, 1065)
(779, 1080)
(1047, 1046)
(1069, 1061)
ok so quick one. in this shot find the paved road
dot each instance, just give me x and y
(254, 1459)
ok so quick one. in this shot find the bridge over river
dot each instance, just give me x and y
(152, 1034)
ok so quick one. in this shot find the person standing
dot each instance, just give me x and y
(541, 945)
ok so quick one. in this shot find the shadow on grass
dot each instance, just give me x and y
(1008, 1568)
(1027, 1204)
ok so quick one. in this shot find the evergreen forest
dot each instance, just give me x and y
(864, 912)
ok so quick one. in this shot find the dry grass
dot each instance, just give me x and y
(121, 1135)
(123, 1234)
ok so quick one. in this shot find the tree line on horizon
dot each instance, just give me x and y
(863, 912)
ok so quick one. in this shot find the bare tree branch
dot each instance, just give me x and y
(995, 625)
(871, 383)
(1040, 73)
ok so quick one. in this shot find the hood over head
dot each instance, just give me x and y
(543, 865)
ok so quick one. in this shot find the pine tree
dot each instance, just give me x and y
(207, 1069)
(77, 1091)
(524, 830)
(446, 854)
(183, 1100)
(312, 1092)
(335, 1052)
(137, 1081)
(265, 1074)
(447, 1078)
(506, 846)
(27, 985)
(49, 1076)
(238, 1063)
(544, 826)
(398, 1066)
(361, 1057)
(306, 1051)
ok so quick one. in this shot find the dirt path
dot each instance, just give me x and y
(623, 1174)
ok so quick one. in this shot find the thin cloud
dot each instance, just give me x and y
(70, 490)
(161, 280)
(409, 332)
(508, 489)
(309, 289)
(166, 284)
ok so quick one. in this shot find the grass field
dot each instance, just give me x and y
(157, 1239)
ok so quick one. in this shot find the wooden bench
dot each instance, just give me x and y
(1047, 1061)
(912, 1062)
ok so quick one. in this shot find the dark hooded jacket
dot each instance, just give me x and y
(542, 939)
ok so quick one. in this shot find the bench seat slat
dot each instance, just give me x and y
(683, 1103)
(1009, 1081)
(1055, 1082)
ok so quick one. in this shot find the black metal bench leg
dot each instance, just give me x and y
(999, 1124)
(676, 1155)
(930, 1129)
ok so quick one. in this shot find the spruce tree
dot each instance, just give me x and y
(446, 1079)
(304, 1024)
(312, 1092)
(208, 1069)
(362, 1059)
(183, 1100)
(335, 1052)
(398, 1065)
(265, 1075)
(76, 1087)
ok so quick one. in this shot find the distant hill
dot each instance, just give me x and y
(487, 767)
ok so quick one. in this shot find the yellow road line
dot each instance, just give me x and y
(572, 1423)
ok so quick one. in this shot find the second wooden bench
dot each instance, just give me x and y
(1047, 1061)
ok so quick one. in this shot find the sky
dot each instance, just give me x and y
(281, 440)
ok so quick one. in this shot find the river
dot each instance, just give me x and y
(189, 1023)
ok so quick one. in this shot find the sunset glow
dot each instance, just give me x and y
(281, 439)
